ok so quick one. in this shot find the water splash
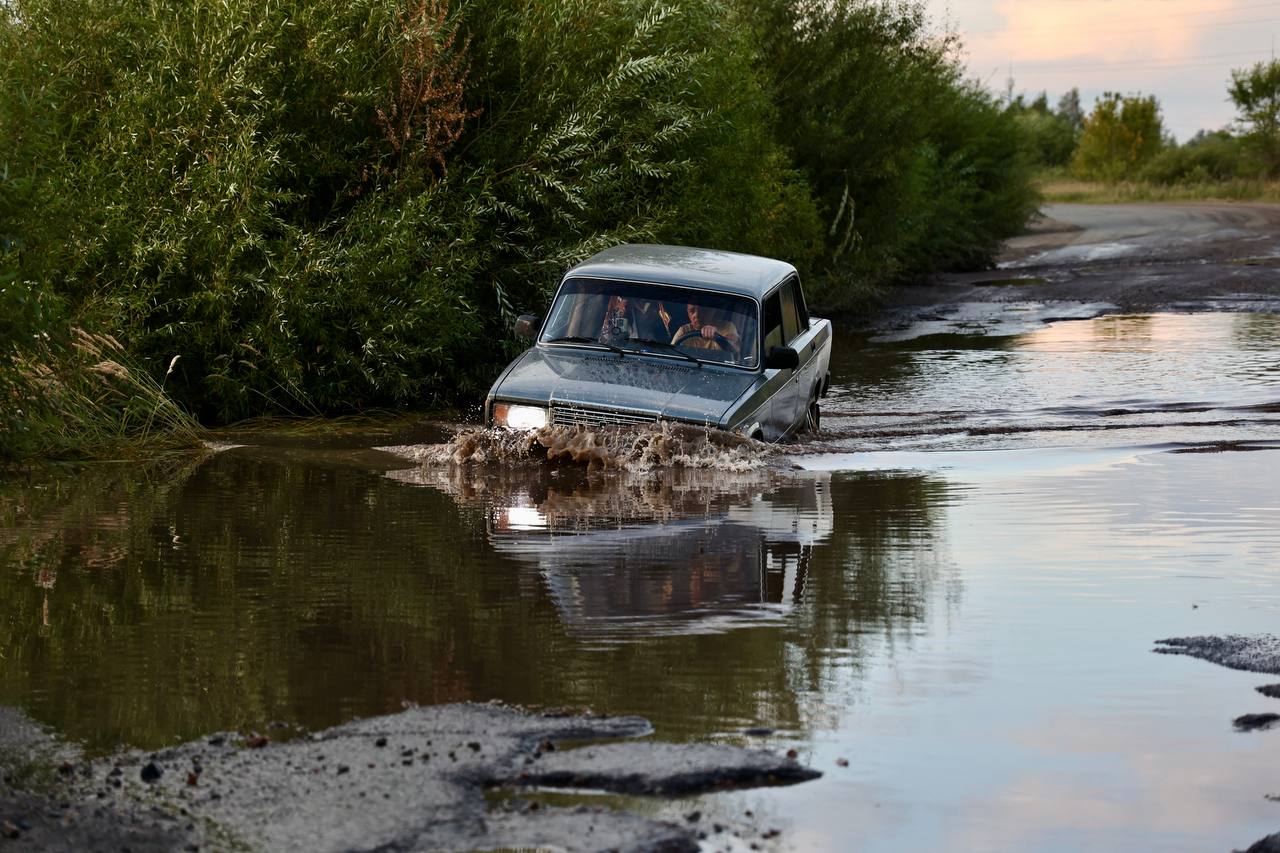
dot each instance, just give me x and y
(636, 449)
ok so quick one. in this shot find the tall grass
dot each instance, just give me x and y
(86, 396)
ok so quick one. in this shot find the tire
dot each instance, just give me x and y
(813, 418)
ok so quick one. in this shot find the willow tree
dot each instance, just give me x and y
(1256, 93)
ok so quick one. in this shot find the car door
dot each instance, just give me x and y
(804, 337)
(773, 416)
(792, 330)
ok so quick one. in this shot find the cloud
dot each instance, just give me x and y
(1079, 30)
(1182, 51)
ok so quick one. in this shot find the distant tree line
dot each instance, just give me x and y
(330, 205)
(1123, 137)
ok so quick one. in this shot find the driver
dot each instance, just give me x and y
(707, 323)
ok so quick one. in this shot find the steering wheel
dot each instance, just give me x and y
(721, 341)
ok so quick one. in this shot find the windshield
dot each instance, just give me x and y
(656, 319)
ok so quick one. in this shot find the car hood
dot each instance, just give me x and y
(678, 390)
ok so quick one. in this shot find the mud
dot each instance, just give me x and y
(1082, 261)
(410, 781)
(1255, 722)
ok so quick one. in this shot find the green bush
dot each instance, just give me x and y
(913, 168)
(1049, 139)
(1206, 158)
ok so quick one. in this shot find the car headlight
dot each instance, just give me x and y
(519, 417)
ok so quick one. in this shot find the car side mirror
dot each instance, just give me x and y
(527, 326)
(782, 358)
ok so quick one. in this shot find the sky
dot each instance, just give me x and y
(1181, 51)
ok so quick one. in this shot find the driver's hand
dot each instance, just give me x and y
(709, 331)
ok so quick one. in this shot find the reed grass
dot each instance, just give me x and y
(85, 397)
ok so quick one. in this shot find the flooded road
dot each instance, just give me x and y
(946, 603)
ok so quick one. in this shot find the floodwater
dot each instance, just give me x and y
(955, 590)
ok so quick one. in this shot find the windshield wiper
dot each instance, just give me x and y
(668, 346)
(578, 339)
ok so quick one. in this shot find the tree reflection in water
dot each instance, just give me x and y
(260, 584)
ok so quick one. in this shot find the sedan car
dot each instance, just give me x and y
(641, 333)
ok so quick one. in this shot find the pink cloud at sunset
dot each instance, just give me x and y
(1181, 51)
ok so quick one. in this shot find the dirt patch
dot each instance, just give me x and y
(409, 781)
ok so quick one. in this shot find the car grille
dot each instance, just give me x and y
(580, 416)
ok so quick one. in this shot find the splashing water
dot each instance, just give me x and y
(636, 449)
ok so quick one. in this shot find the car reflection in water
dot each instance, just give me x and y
(696, 552)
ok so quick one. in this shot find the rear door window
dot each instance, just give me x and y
(793, 323)
(801, 308)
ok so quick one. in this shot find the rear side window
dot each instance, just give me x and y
(772, 323)
(794, 318)
(801, 308)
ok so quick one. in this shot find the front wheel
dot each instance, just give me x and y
(813, 418)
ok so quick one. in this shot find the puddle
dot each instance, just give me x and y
(1111, 381)
(993, 320)
(1010, 282)
(947, 602)
(1084, 253)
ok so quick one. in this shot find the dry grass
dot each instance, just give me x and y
(1059, 189)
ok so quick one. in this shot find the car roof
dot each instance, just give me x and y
(710, 269)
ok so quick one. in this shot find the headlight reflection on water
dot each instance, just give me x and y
(521, 518)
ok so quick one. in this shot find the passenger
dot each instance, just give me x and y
(630, 319)
(708, 323)
(617, 324)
